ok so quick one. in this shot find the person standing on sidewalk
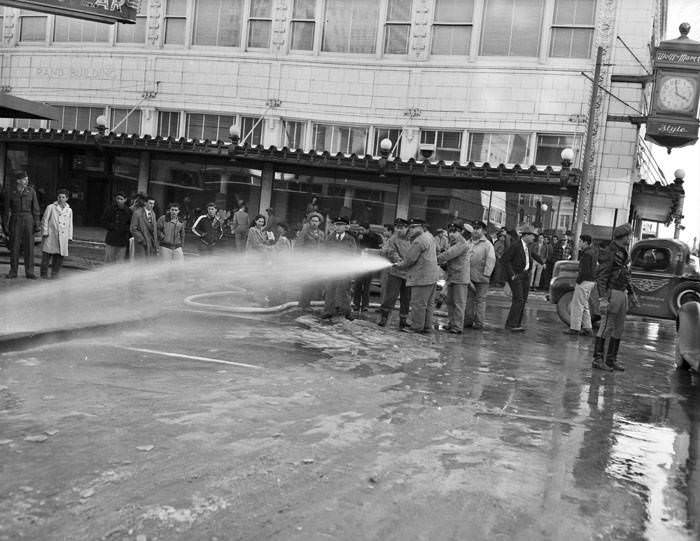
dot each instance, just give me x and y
(613, 283)
(517, 262)
(208, 229)
(117, 221)
(21, 222)
(143, 229)
(454, 259)
(171, 234)
(482, 261)
(538, 263)
(310, 243)
(422, 275)
(240, 223)
(580, 313)
(395, 249)
(56, 231)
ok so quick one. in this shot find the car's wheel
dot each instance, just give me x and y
(564, 307)
(684, 292)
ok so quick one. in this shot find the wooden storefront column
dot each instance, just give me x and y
(403, 199)
(268, 177)
(144, 171)
(3, 159)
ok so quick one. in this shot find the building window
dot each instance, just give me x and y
(447, 145)
(131, 125)
(32, 26)
(169, 124)
(564, 222)
(452, 27)
(497, 148)
(549, 148)
(303, 25)
(133, 33)
(76, 118)
(511, 27)
(212, 127)
(572, 28)
(394, 134)
(175, 22)
(398, 26)
(351, 26)
(218, 22)
(251, 130)
(26, 123)
(67, 29)
(260, 24)
(294, 133)
(345, 139)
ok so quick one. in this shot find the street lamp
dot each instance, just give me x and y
(567, 157)
(385, 146)
(235, 135)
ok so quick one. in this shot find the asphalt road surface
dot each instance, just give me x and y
(194, 426)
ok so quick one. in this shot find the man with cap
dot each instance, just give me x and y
(422, 275)
(454, 260)
(580, 313)
(482, 261)
(366, 240)
(517, 263)
(613, 283)
(310, 241)
(395, 249)
(338, 290)
(21, 222)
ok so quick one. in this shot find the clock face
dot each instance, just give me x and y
(677, 94)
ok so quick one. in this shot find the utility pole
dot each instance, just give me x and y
(583, 199)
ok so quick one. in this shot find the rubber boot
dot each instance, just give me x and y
(611, 358)
(598, 349)
(384, 318)
(402, 323)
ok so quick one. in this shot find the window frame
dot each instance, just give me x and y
(384, 35)
(575, 146)
(554, 26)
(528, 158)
(378, 36)
(474, 27)
(340, 126)
(48, 31)
(545, 7)
(242, 27)
(318, 6)
(125, 124)
(82, 22)
(62, 108)
(178, 127)
(187, 17)
(251, 19)
(437, 148)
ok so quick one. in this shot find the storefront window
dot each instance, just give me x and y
(440, 206)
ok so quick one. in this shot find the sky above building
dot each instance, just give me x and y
(687, 158)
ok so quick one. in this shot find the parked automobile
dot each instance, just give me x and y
(664, 276)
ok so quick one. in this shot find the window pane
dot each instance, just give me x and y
(168, 124)
(454, 11)
(294, 134)
(33, 29)
(518, 150)
(132, 33)
(511, 27)
(351, 26)
(358, 141)
(175, 31)
(549, 148)
(176, 8)
(261, 8)
(393, 134)
(131, 125)
(302, 36)
(210, 127)
(218, 22)
(451, 40)
(396, 39)
(581, 42)
(399, 10)
(574, 12)
(304, 9)
(247, 123)
(75, 30)
(259, 34)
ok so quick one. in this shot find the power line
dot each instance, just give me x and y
(611, 94)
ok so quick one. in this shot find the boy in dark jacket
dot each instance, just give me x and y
(117, 221)
(208, 228)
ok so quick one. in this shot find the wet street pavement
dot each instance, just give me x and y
(194, 426)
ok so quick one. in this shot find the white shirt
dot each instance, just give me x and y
(527, 256)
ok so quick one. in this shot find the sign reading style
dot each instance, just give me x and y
(102, 11)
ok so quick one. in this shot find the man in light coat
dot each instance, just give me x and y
(422, 275)
(143, 229)
(395, 249)
(56, 231)
(482, 261)
(454, 258)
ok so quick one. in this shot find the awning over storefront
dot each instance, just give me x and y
(14, 107)
(473, 176)
(657, 202)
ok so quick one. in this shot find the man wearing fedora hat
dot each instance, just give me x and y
(454, 259)
(422, 271)
(614, 285)
(482, 260)
(517, 262)
(338, 290)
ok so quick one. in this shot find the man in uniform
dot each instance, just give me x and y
(338, 289)
(395, 249)
(613, 282)
(21, 222)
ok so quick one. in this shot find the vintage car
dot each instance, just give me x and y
(664, 276)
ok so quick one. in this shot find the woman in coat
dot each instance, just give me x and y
(56, 231)
(257, 240)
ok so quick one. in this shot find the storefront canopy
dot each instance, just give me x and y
(14, 107)
(657, 202)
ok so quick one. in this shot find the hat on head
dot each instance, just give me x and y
(527, 230)
(341, 220)
(416, 221)
(478, 224)
(468, 228)
(399, 222)
(315, 215)
(622, 231)
(20, 175)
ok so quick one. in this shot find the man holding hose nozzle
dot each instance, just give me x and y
(613, 283)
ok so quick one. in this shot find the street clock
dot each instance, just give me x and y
(672, 120)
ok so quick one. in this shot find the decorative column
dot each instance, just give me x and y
(144, 171)
(268, 177)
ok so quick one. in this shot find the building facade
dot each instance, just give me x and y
(484, 81)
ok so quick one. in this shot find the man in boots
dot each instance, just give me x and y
(613, 283)
(395, 249)
(21, 222)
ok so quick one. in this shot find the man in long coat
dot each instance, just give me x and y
(21, 222)
(143, 229)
